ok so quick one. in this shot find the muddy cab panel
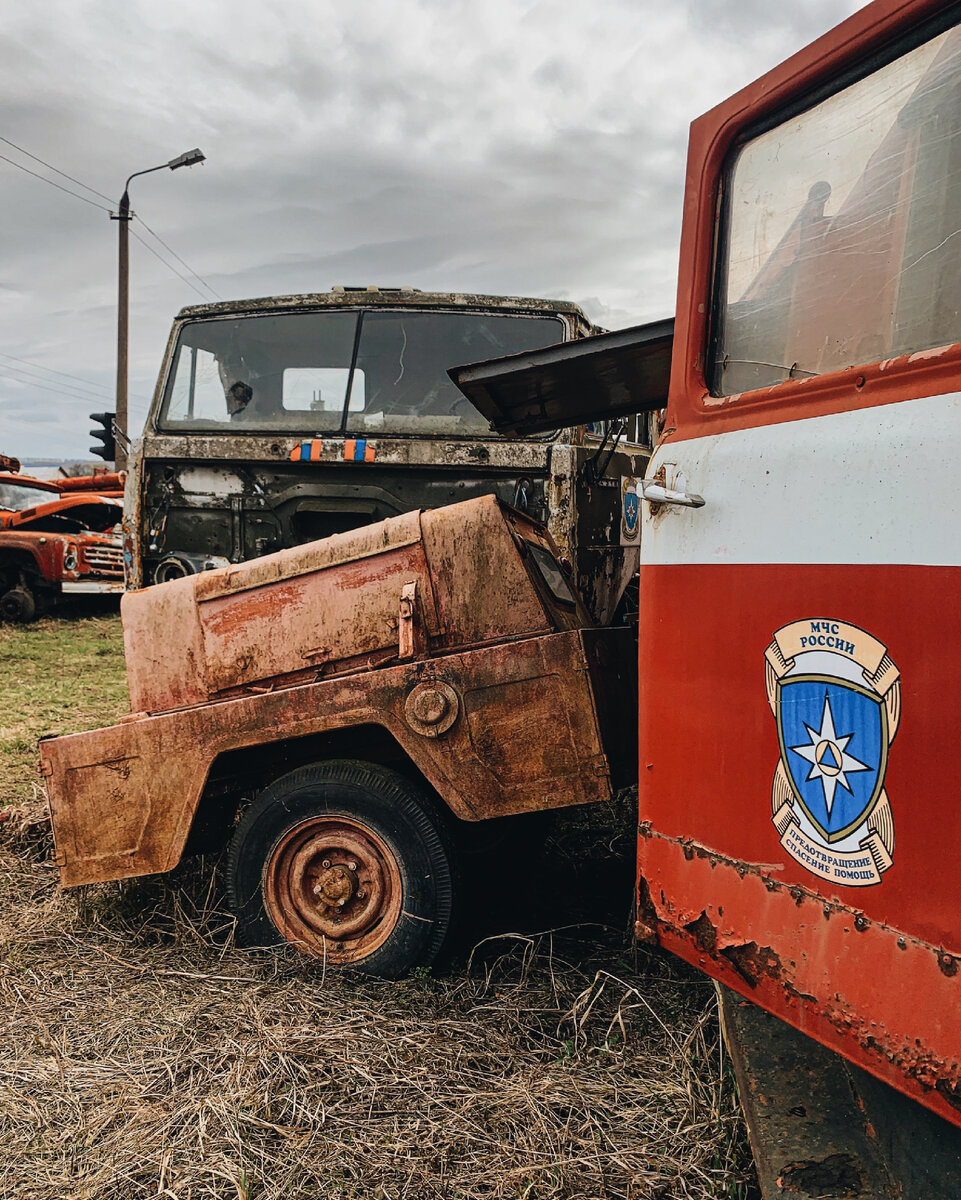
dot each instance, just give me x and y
(800, 631)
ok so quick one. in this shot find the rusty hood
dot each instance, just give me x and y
(88, 512)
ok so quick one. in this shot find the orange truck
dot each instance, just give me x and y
(57, 537)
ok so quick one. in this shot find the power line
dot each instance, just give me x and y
(56, 170)
(49, 370)
(48, 386)
(95, 392)
(199, 278)
(169, 266)
(59, 187)
(87, 200)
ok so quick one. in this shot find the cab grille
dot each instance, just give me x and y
(104, 560)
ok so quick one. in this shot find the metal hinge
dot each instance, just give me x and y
(406, 615)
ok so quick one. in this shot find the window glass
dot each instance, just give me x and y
(283, 372)
(321, 389)
(552, 575)
(843, 229)
(14, 498)
(405, 355)
(291, 371)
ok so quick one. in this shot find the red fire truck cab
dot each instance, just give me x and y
(800, 635)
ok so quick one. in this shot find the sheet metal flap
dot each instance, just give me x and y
(572, 383)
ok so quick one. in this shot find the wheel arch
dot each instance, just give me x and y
(236, 776)
(19, 558)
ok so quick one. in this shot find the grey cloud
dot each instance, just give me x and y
(518, 147)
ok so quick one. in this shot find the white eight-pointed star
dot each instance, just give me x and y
(826, 754)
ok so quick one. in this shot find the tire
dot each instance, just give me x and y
(348, 862)
(18, 605)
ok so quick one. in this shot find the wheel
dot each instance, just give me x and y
(347, 861)
(19, 605)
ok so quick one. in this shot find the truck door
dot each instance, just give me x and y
(800, 634)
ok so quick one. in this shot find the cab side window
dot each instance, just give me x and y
(842, 232)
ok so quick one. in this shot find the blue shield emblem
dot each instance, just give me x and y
(834, 743)
(630, 511)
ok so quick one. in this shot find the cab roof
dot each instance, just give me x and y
(401, 297)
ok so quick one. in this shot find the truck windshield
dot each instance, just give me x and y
(843, 228)
(327, 372)
(14, 498)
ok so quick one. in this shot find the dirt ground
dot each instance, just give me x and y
(144, 1055)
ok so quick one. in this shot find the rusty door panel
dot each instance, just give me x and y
(168, 757)
(819, 963)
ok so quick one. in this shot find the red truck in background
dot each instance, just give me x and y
(57, 537)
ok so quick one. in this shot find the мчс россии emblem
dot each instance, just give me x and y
(836, 698)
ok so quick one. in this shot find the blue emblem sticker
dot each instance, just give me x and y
(630, 512)
(836, 699)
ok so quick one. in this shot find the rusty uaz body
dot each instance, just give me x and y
(341, 712)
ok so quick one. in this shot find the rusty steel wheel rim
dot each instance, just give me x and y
(332, 887)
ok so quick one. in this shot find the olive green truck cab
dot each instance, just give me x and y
(282, 420)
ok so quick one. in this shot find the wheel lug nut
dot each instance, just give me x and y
(326, 863)
(351, 866)
(317, 889)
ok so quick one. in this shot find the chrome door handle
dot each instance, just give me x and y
(657, 493)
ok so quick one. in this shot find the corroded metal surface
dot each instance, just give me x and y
(391, 298)
(333, 887)
(809, 1137)
(483, 678)
(526, 738)
(826, 954)
(333, 606)
(393, 451)
(822, 1129)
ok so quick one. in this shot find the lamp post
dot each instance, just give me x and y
(190, 159)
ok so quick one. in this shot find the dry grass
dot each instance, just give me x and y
(145, 1056)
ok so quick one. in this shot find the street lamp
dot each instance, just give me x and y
(190, 159)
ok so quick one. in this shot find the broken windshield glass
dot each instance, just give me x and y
(329, 372)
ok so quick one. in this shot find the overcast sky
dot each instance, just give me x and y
(523, 147)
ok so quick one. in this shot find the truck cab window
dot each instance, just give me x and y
(288, 371)
(843, 228)
(404, 357)
(292, 371)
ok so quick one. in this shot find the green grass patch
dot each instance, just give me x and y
(60, 675)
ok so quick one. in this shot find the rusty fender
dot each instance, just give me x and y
(499, 730)
(728, 939)
(47, 550)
